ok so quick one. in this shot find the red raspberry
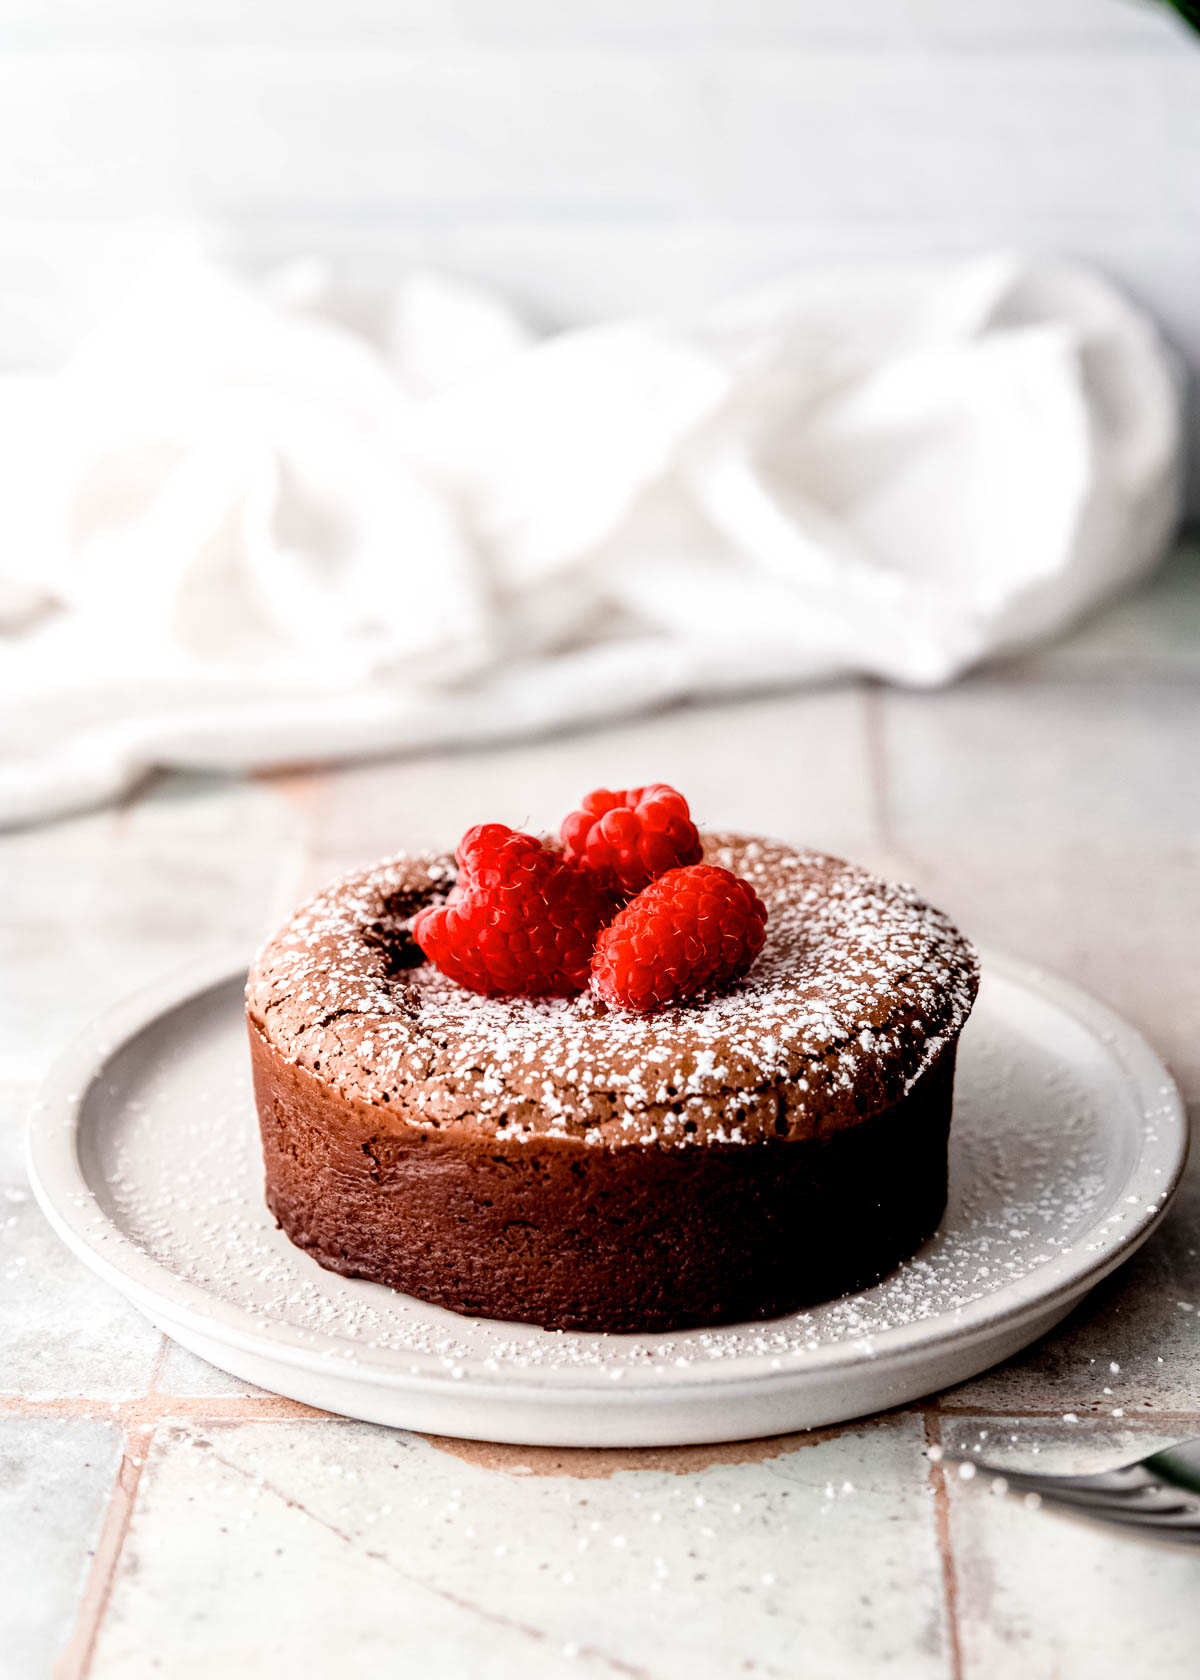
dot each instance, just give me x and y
(519, 922)
(688, 931)
(626, 839)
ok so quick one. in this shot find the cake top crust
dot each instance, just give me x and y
(858, 987)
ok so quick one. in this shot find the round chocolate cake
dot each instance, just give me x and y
(578, 1167)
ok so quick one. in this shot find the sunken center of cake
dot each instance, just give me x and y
(858, 986)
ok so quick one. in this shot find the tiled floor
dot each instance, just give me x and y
(158, 1517)
(1038, 1596)
(468, 1567)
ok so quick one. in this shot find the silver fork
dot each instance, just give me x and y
(1159, 1494)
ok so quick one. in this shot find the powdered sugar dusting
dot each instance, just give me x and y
(858, 986)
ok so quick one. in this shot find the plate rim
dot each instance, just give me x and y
(71, 1207)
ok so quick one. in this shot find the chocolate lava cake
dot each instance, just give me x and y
(564, 1164)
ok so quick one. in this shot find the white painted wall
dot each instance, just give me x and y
(592, 154)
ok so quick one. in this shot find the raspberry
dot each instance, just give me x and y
(688, 931)
(519, 921)
(626, 839)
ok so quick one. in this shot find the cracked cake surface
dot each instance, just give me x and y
(859, 985)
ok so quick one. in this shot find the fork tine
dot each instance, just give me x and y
(1110, 1487)
(1129, 1498)
(1181, 1526)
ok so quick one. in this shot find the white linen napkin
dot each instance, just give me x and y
(240, 533)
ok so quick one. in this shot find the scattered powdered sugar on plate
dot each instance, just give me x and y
(169, 1146)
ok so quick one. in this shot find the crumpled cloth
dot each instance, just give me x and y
(240, 531)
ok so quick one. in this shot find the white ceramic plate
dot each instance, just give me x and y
(1068, 1141)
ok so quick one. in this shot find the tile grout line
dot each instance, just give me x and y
(941, 1518)
(76, 1658)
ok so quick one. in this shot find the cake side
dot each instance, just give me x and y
(554, 1231)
